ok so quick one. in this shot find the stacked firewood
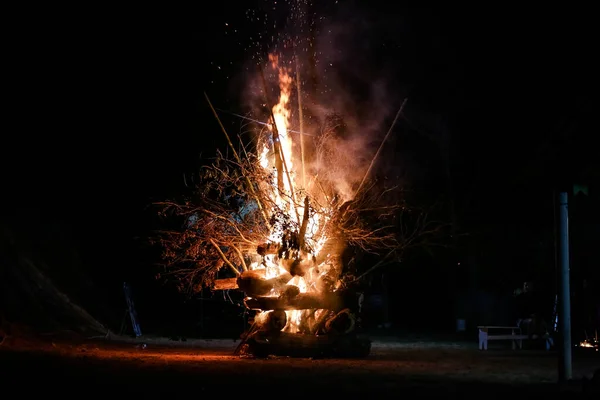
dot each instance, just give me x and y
(327, 325)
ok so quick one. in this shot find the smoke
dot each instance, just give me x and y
(348, 93)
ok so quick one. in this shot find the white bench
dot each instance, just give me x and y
(512, 333)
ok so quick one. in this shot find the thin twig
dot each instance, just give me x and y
(374, 267)
(225, 260)
(237, 157)
(241, 256)
(381, 147)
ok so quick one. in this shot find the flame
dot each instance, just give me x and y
(281, 118)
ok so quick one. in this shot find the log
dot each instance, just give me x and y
(254, 285)
(326, 283)
(343, 322)
(225, 284)
(303, 301)
(289, 292)
(319, 322)
(263, 344)
(276, 321)
(231, 283)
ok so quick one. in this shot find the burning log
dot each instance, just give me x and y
(326, 283)
(290, 292)
(341, 323)
(254, 285)
(319, 321)
(302, 301)
(232, 283)
(276, 321)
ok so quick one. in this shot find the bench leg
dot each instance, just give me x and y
(483, 340)
(517, 343)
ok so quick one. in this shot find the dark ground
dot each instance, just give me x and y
(413, 367)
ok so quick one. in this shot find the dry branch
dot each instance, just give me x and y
(239, 217)
(225, 260)
(381, 146)
(237, 157)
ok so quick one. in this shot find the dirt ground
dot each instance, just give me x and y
(157, 367)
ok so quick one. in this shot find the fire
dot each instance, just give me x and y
(281, 110)
(285, 200)
(278, 219)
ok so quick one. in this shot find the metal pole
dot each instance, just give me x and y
(565, 370)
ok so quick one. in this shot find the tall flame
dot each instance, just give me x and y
(281, 114)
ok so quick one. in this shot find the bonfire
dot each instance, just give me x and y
(273, 219)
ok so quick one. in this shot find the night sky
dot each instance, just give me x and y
(109, 111)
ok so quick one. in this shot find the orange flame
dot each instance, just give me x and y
(281, 118)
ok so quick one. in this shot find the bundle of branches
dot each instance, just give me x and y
(240, 211)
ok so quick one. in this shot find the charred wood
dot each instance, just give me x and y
(341, 323)
(320, 321)
(276, 321)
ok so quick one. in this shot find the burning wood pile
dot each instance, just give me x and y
(278, 217)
